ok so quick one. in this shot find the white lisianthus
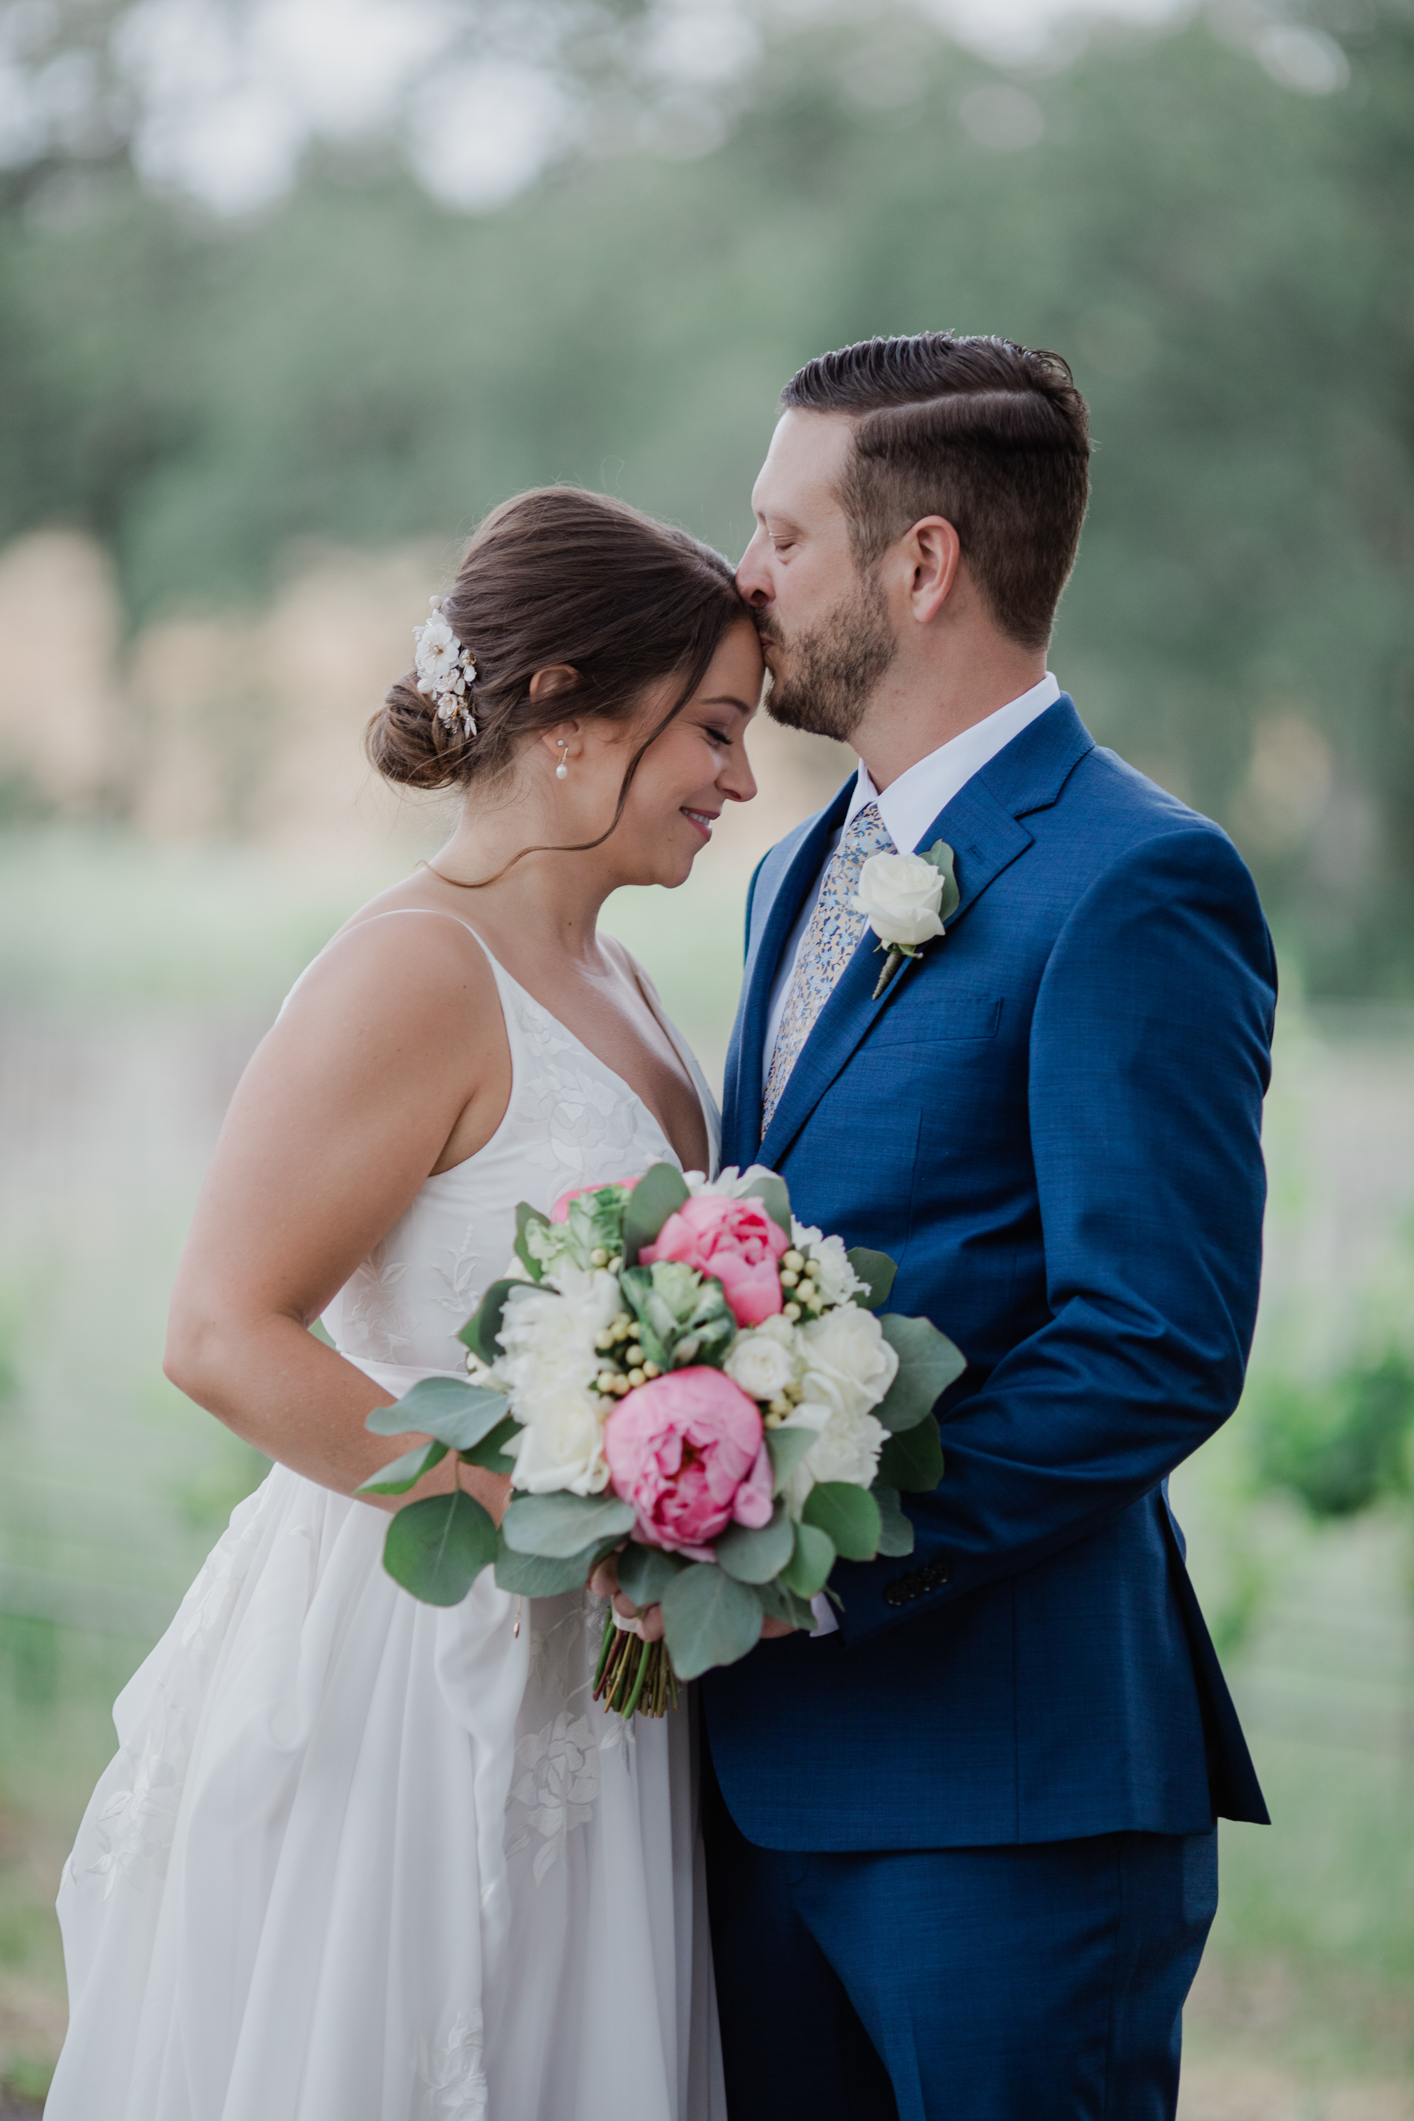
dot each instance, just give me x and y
(731, 1181)
(900, 895)
(846, 1447)
(549, 1362)
(849, 1365)
(830, 1269)
(762, 1362)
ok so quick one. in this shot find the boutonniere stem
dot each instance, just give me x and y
(906, 899)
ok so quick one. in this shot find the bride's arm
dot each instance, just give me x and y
(389, 1062)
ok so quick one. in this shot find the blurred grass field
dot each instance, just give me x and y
(134, 983)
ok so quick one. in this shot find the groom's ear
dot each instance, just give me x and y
(931, 553)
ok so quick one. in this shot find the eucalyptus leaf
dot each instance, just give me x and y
(774, 1195)
(559, 1525)
(405, 1472)
(811, 1563)
(755, 1557)
(928, 1362)
(849, 1515)
(940, 854)
(491, 1451)
(456, 1413)
(659, 1193)
(914, 1460)
(787, 1448)
(782, 1604)
(876, 1270)
(479, 1332)
(896, 1533)
(709, 1619)
(436, 1549)
(646, 1572)
(533, 1576)
(526, 1216)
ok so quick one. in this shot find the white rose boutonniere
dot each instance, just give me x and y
(906, 898)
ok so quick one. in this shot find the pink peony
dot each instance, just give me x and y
(560, 1213)
(687, 1450)
(734, 1240)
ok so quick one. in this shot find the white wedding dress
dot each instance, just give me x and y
(360, 1859)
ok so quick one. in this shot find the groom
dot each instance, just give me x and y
(962, 1851)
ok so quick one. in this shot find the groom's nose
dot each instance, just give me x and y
(753, 577)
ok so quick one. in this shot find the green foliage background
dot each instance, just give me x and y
(1225, 262)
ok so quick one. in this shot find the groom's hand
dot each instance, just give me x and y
(604, 1582)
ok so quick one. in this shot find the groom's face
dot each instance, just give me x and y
(825, 628)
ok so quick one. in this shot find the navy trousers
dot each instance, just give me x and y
(1021, 1983)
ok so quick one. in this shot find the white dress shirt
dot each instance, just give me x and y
(908, 807)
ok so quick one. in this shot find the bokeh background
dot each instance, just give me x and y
(290, 292)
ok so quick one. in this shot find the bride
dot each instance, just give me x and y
(360, 1859)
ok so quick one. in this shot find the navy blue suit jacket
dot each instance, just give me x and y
(1052, 1122)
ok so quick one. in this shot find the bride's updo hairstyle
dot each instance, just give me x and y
(557, 576)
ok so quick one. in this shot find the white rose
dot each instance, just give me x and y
(761, 1363)
(848, 1363)
(900, 894)
(562, 1443)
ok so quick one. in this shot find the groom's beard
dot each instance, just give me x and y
(832, 673)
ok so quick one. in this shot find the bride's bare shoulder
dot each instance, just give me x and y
(397, 955)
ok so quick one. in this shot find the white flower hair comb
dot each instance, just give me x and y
(445, 670)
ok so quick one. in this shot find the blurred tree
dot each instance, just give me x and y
(1345, 1449)
(1215, 229)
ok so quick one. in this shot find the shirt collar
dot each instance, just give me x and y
(909, 805)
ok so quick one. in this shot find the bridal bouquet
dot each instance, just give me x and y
(681, 1372)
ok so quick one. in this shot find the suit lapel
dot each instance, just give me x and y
(982, 826)
(773, 917)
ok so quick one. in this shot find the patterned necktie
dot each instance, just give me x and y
(828, 946)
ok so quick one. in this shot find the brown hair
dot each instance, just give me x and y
(559, 575)
(989, 434)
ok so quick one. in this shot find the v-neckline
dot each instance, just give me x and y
(693, 1074)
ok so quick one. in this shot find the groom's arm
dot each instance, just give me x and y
(1149, 1056)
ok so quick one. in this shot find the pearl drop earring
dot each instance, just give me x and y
(562, 772)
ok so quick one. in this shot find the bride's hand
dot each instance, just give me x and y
(648, 1622)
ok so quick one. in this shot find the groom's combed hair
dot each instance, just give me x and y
(990, 435)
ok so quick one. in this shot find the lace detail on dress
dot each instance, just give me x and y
(558, 1790)
(561, 1755)
(452, 2086)
(461, 1274)
(583, 1123)
(380, 1328)
(136, 1824)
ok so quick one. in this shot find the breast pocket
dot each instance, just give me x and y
(952, 1018)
